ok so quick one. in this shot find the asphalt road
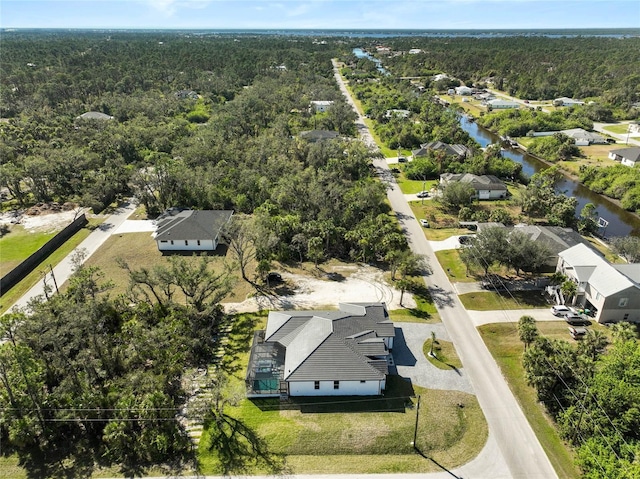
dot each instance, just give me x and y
(517, 446)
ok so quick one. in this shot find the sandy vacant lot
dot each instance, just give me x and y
(363, 284)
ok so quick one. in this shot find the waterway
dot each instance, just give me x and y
(360, 53)
(621, 222)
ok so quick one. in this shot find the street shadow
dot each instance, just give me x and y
(402, 355)
(441, 297)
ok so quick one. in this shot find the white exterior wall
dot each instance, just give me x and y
(626, 162)
(347, 388)
(491, 194)
(187, 245)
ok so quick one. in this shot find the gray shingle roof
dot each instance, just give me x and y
(594, 269)
(629, 154)
(451, 150)
(333, 345)
(484, 182)
(192, 225)
(95, 115)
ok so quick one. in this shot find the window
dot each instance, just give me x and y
(198, 242)
(363, 381)
(622, 302)
(186, 242)
(316, 384)
(336, 384)
(163, 241)
(626, 316)
(171, 241)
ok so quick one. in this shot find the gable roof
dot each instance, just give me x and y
(95, 115)
(318, 135)
(452, 150)
(556, 238)
(630, 154)
(192, 225)
(347, 344)
(484, 182)
(590, 267)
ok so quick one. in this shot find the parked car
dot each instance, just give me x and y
(577, 319)
(423, 194)
(274, 277)
(424, 223)
(560, 310)
(402, 159)
(464, 239)
(577, 333)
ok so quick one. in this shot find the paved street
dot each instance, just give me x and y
(90, 245)
(518, 454)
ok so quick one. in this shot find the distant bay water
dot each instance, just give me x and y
(374, 33)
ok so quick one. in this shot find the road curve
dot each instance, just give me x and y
(517, 445)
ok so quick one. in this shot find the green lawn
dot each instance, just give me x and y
(362, 435)
(18, 245)
(11, 296)
(450, 261)
(491, 301)
(445, 354)
(506, 348)
(424, 312)
(415, 186)
(618, 129)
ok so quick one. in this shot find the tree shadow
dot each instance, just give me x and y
(239, 448)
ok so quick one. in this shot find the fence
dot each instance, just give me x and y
(14, 276)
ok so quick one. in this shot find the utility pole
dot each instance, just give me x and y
(415, 431)
(53, 276)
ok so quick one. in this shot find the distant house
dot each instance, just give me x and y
(318, 135)
(322, 353)
(415, 51)
(555, 238)
(94, 115)
(565, 101)
(186, 94)
(190, 230)
(397, 112)
(580, 136)
(611, 291)
(626, 156)
(499, 104)
(320, 106)
(463, 90)
(488, 187)
(440, 76)
(458, 151)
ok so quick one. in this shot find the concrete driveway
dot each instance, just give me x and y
(411, 363)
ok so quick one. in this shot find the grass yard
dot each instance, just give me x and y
(620, 129)
(139, 250)
(11, 296)
(424, 312)
(445, 354)
(18, 245)
(490, 301)
(409, 187)
(437, 216)
(450, 261)
(506, 348)
(362, 435)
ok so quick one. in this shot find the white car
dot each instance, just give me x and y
(424, 223)
(560, 310)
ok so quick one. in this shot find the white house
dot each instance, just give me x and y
(320, 106)
(322, 353)
(499, 104)
(626, 156)
(565, 101)
(94, 115)
(190, 230)
(488, 187)
(458, 151)
(463, 90)
(612, 291)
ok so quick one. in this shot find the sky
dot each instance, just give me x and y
(320, 14)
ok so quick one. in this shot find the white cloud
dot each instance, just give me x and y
(169, 7)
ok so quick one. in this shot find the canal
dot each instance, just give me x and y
(621, 222)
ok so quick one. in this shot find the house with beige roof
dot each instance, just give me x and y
(322, 353)
(612, 291)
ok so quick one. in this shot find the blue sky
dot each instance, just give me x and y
(316, 14)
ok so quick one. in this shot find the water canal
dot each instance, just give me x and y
(621, 222)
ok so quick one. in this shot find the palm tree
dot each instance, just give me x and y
(527, 330)
(568, 289)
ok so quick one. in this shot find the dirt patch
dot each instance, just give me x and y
(366, 284)
(43, 217)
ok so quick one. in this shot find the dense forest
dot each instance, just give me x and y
(592, 390)
(537, 68)
(214, 121)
